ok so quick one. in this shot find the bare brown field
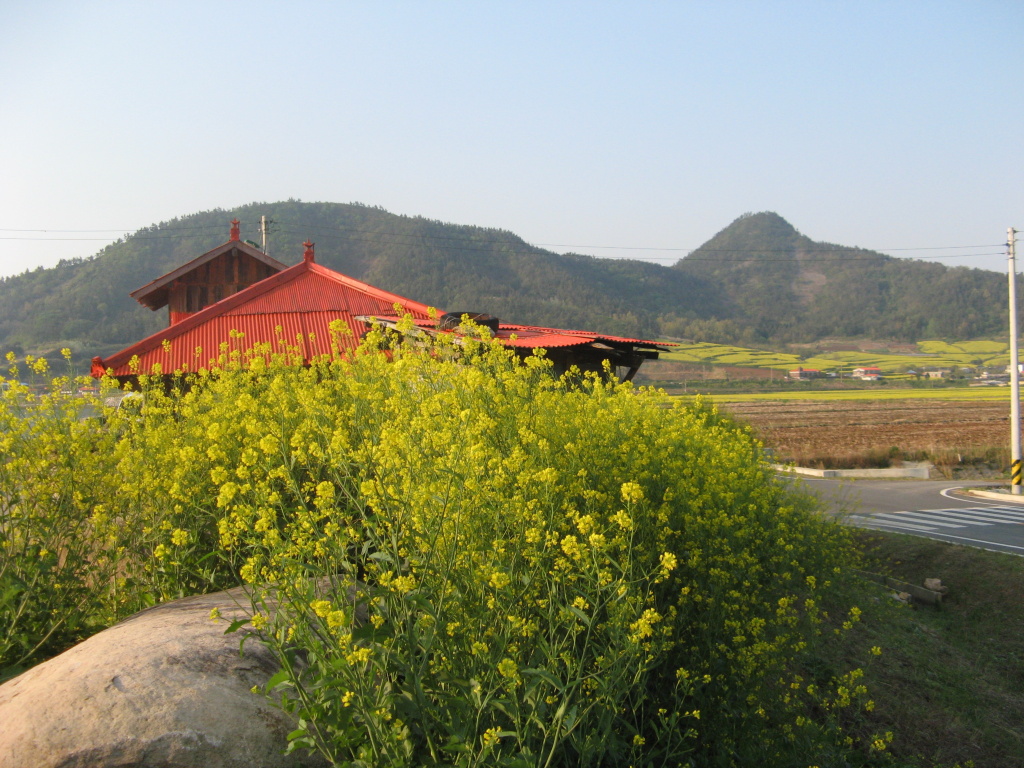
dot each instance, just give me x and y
(874, 432)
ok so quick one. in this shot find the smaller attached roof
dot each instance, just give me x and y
(155, 294)
(533, 336)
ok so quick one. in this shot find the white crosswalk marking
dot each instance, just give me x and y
(919, 518)
(970, 515)
(868, 522)
(1010, 513)
(932, 520)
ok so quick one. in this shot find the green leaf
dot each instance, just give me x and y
(235, 626)
(280, 677)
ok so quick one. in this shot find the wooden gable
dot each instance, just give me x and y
(207, 279)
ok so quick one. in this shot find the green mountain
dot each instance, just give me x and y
(782, 287)
(756, 281)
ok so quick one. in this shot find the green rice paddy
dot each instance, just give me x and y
(931, 355)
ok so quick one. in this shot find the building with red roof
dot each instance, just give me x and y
(806, 374)
(868, 373)
(234, 296)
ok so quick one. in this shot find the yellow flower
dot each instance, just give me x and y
(571, 547)
(644, 626)
(632, 493)
(321, 607)
(490, 737)
(404, 584)
(359, 656)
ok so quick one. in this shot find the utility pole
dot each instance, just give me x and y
(1015, 466)
(265, 231)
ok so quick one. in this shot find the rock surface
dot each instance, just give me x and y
(164, 688)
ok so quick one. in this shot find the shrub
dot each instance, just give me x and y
(55, 475)
(461, 559)
(477, 563)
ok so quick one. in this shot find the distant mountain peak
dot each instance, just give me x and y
(750, 236)
(760, 229)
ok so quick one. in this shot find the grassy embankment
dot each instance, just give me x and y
(950, 681)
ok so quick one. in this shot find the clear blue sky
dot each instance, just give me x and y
(640, 125)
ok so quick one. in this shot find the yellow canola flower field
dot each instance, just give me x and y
(458, 557)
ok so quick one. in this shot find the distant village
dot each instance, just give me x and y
(980, 377)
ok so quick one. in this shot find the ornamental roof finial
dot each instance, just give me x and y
(308, 253)
(234, 230)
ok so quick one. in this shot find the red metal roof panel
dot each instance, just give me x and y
(282, 310)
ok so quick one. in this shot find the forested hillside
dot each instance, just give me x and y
(780, 286)
(757, 281)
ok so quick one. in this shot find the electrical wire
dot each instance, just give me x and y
(305, 229)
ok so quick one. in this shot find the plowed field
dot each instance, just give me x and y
(808, 429)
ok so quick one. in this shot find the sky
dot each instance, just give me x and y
(619, 129)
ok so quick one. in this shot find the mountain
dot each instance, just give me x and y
(781, 286)
(756, 281)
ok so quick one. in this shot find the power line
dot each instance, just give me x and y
(119, 229)
(303, 229)
(764, 250)
(318, 227)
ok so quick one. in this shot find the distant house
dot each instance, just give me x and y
(867, 373)
(940, 373)
(995, 374)
(806, 374)
(236, 297)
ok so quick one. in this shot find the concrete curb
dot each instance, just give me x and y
(919, 472)
(996, 495)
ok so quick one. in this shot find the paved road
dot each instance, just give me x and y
(935, 509)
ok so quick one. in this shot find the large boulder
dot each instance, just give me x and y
(165, 688)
